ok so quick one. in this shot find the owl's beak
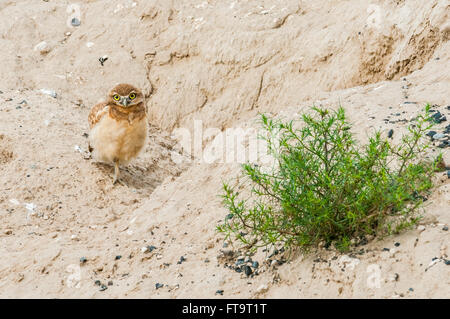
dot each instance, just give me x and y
(125, 102)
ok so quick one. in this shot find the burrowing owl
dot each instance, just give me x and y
(118, 127)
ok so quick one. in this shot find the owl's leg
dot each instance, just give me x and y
(116, 172)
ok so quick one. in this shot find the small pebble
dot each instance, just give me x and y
(103, 288)
(239, 262)
(255, 264)
(219, 292)
(83, 260)
(118, 257)
(262, 288)
(75, 22)
(247, 270)
(438, 136)
(97, 282)
(390, 133)
(431, 133)
(445, 228)
(181, 260)
(52, 93)
(103, 59)
(110, 283)
(397, 244)
(158, 285)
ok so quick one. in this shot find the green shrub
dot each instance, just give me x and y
(325, 188)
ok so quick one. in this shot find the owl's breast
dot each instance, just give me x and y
(118, 139)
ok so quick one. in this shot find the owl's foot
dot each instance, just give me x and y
(116, 172)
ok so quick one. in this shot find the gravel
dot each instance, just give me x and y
(75, 22)
(390, 133)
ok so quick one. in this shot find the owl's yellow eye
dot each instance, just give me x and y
(132, 96)
(116, 97)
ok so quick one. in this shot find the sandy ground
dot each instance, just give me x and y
(66, 231)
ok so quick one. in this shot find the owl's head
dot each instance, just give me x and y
(125, 95)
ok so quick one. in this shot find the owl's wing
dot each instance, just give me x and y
(97, 113)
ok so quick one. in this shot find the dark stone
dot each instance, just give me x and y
(397, 244)
(102, 60)
(219, 292)
(103, 288)
(97, 282)
(83, 260)
(255, 264)
(110, 283)
(181, 260)
(158, 285)
(385, 249)
(151, 248)
(448, 173)
(431, 133)
(229, 216)
(118, 257)
(410, 289)
(247, 270)
(447, 262)
(445, 228)
(75, 22)
(390, 133)
(363, 241)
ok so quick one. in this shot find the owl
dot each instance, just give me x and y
(118, 127)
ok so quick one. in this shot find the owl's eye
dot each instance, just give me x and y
(116, 97)
(132, 96)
